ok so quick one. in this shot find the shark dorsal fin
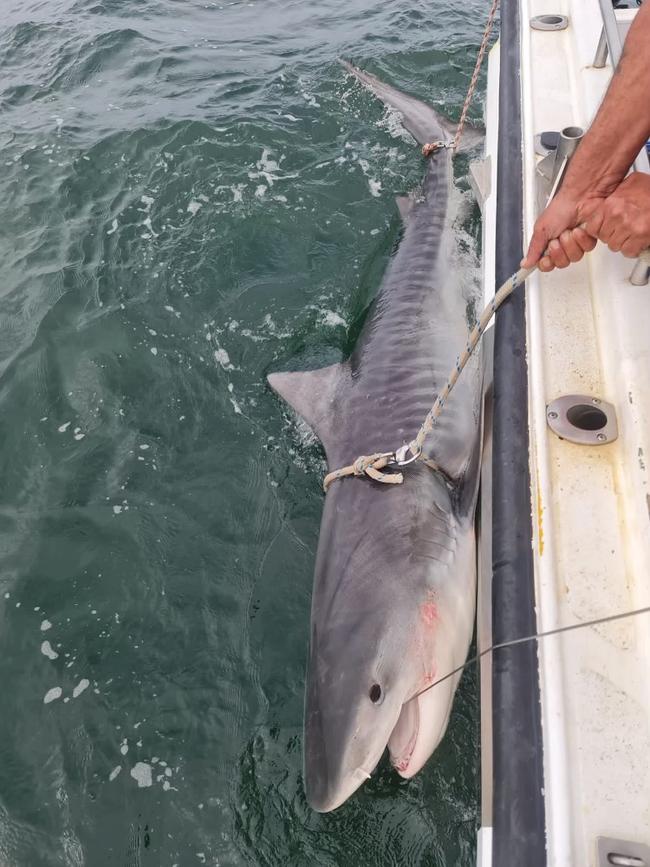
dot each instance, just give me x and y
(315, 396)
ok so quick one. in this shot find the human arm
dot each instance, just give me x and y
(619, 130)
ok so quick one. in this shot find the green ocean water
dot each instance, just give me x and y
(191, 195)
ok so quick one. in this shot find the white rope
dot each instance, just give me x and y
(500, 296)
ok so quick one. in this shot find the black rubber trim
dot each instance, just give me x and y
(518, 804)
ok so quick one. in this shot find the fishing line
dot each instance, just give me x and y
(514, 641)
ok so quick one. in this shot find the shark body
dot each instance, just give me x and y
(394, 587)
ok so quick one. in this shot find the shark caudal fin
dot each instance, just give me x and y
(420, 119)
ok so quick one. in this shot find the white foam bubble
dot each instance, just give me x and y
(45, 625)
(147, 222)
(392, 122)
(116, 770)
(222, 357)
(333, 319)
(64, 427)
(52, 694)
(79, 688)
(236, 406)
(141, 772)
(309, 98)
(268, 169)
(113, 228)
(194, 207)
(47, 650)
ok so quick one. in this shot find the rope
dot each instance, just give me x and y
(475, 74)
(472, 342)
(428, 149)
(371, 465)
(528, 638)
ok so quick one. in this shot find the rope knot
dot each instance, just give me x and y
(367, 465)
(363, 462)
(432, 147)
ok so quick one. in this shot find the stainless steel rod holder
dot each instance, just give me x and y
(570, 138)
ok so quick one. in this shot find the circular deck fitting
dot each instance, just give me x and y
(549, 22)
(582, 419)
(545, 142)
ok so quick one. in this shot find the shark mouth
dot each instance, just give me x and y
(403, 739)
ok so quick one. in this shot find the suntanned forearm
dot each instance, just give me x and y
(622, 124)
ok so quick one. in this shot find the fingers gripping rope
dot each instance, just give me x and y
(371, 465)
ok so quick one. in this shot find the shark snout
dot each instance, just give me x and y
(326, 794)
(344, 742)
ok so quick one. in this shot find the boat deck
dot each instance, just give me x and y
(588, 333)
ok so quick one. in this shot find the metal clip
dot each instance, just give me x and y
(401, 459)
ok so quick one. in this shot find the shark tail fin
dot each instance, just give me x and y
(420, 119)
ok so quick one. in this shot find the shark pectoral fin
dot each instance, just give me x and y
(313, 395)
(404, 206)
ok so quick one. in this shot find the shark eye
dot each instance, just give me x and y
(375, 693)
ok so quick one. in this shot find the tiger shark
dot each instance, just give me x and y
(394, 587)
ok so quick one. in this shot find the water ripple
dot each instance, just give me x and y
(193, 194)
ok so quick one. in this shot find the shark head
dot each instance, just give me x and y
(381, 635)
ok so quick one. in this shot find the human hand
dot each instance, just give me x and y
(557, 239)
(622, 220)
